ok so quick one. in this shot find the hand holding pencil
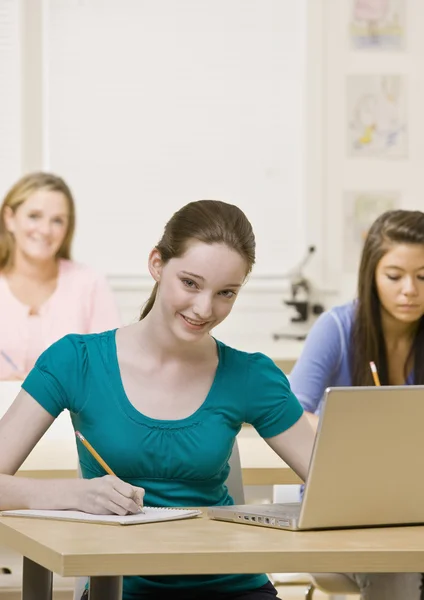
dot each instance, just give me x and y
(109, 494)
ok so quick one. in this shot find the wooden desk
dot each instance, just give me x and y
(55, 456)
(285, 364)
(260, 465)
(283, 352)
(52, 458)
(198, 546)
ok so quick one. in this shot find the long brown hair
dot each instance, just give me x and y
(208, 221)
(367, 340)
(17, 195)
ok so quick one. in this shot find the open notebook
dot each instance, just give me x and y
(150, 515)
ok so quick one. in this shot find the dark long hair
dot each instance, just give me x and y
(367, 340)
(208, 221)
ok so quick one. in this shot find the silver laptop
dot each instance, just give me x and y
(367, 466)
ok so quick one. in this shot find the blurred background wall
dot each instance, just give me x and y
(306, 114)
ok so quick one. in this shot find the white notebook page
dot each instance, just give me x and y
(150, 515)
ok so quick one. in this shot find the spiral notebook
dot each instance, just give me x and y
(150, 515)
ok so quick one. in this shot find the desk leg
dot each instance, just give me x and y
(105, 588)
(37, 582)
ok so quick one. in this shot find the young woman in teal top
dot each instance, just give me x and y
(385, 325)
(161, 400)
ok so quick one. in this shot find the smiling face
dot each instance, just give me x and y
(197, 290)
(39, 225)
(399, 278)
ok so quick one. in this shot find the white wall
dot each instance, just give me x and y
(11, 93)
(154, 104)
(144, 106)
(344, 173)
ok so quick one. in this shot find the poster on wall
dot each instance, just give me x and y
(377, 25)
(376, 116)
(360, 211)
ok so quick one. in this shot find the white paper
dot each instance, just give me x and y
(150, 515)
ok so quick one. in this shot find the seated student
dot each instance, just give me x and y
(44, 294)
(161, 400)
(385, 324)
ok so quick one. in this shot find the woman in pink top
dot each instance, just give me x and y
(44, 295)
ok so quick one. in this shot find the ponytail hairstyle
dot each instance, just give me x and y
(17, 195)
(367, 340)
(210, 222)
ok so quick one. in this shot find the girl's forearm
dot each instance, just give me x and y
(31, 493)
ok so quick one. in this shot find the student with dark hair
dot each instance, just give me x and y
(385, 325)
(162, 400)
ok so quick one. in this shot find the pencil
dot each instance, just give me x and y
(374, 373)
(9, 360)
(97, 456)
(94, 453)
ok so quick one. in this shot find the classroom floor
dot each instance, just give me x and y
(284, 593)
(298, 593)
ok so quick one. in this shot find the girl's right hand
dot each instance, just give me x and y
(109, 495)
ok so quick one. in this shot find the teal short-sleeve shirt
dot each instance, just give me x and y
(178, 462)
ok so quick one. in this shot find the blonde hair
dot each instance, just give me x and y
(210, 222)
(17, 195)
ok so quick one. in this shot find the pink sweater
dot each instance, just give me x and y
(81, 303)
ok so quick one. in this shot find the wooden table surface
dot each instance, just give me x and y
(202, 545)
(53, 458)
(259, 463)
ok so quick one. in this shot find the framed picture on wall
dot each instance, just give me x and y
(360, 210)
(376, 116)
(377, 25)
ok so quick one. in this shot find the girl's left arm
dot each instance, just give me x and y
(295, 446)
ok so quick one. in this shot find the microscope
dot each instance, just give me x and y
(300, 300)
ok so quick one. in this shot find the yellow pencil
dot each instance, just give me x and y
(374, 373)
(97, 456)
(94, 453)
